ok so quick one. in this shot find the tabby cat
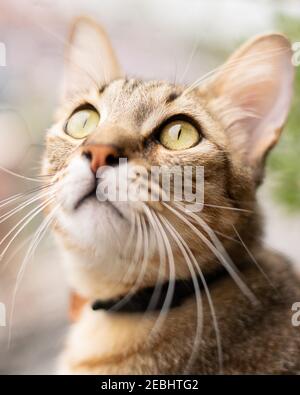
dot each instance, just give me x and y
(157, 288)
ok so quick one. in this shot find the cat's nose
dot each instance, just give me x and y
(101, 155)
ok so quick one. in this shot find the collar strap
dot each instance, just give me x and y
(149, 299)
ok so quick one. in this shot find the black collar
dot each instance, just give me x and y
(153, 299)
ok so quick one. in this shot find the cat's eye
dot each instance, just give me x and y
(82, 123)
(179, 135)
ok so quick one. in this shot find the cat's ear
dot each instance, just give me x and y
(89, 60)
(252, 93)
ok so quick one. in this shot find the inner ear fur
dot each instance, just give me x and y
(90, 60)
(251, 94)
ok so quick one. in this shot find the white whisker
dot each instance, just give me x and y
(225, 261)
(24, 221)
(11, 199)
(12, 173)
(252, 257)
(198, 296)
(206, 289)
(32, 247)
(171, 272)
(15, 210)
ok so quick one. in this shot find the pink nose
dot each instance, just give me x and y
(100, 155)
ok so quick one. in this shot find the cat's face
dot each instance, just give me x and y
(224, 126)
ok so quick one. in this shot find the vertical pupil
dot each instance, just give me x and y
(179, 133)
(175, 131)
(85, 121)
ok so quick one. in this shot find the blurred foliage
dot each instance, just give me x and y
(285, 159)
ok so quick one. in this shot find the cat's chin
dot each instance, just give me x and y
(90, 202)
(98, 228)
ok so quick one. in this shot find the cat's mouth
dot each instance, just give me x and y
(93, 195)
(84, 198)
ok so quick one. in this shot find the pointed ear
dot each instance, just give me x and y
(252, 94)
(90, 59)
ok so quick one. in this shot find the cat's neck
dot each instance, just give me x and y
(89, 282)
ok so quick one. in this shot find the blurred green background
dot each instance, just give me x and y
(285, 159)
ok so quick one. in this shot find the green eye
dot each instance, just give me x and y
(179, 135)
(82, 123)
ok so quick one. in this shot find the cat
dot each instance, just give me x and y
(197, 291)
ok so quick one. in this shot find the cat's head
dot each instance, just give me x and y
(225, 123)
